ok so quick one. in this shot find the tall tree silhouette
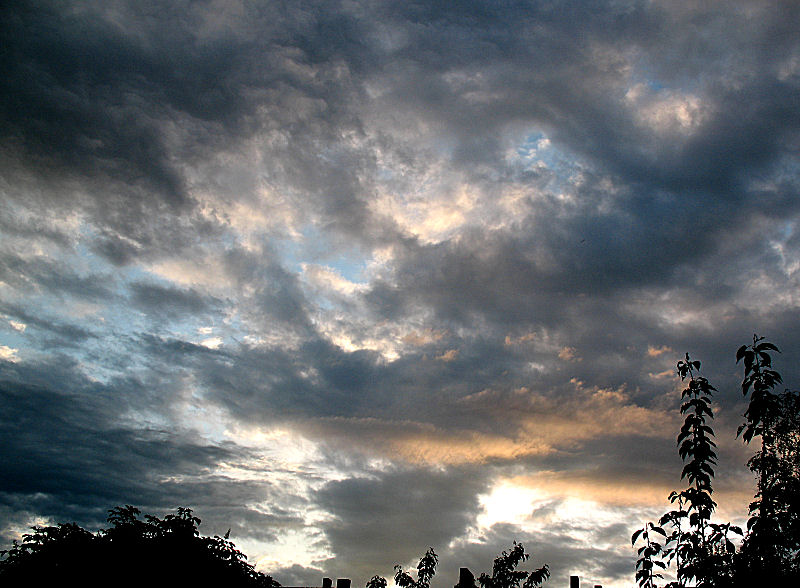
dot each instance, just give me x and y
(771, 550)
(703, 551)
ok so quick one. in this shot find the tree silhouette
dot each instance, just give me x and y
(506, 575)
(152, 552)
(702, 550)
(376, 582)
(771, 550)
(426, 568)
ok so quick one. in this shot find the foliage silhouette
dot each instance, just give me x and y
(698, 547)
(376, 582)
(504, 572)
(506, 575)
(702, 551)
(649, 555)
(153, 552)
(771, 550)
(426, 568)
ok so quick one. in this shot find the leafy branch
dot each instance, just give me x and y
(650, 554)
(426, 568)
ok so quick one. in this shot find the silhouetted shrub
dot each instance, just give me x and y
(152, 552)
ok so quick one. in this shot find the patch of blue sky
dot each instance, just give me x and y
(11, 337)
(537, 151)
(105, 329)
(535, 147)
(653, 84)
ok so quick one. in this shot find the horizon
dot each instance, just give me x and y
(355, 279)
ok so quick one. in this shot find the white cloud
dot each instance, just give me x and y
(9, 353)
(212, 342)
(18, 326)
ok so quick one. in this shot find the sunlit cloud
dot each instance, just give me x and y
(9, 353)
(18, 326)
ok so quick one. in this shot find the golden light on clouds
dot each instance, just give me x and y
(629, 490)
(533, 426)
(569, 354)
(653, 351)
(422, 337)
(449, 355)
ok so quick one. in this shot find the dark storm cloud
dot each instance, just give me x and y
(87, 140)
(121, 97)
(268, 383)
(678, 197)
(566, 67)
(83, 93)
(71, 455)
(53, 425)
(555, 66)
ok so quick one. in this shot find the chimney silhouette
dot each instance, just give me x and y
(465, 579)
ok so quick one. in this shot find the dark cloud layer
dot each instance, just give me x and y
(390, 517)
(339, 274)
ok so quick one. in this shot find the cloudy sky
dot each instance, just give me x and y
(359, 278)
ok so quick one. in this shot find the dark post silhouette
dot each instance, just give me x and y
(343, 583)
(327, 583)
(574, 582)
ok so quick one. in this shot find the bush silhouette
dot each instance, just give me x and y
(131, 552)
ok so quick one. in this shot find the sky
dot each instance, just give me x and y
(359, 278)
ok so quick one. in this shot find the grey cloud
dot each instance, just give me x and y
(54, 79)
(57, 333)
(559, 550)
(30, 276)
(274, 292)
(170, 301)
(392, 517)
(298, 575)
(96, 96)
(520, 49)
